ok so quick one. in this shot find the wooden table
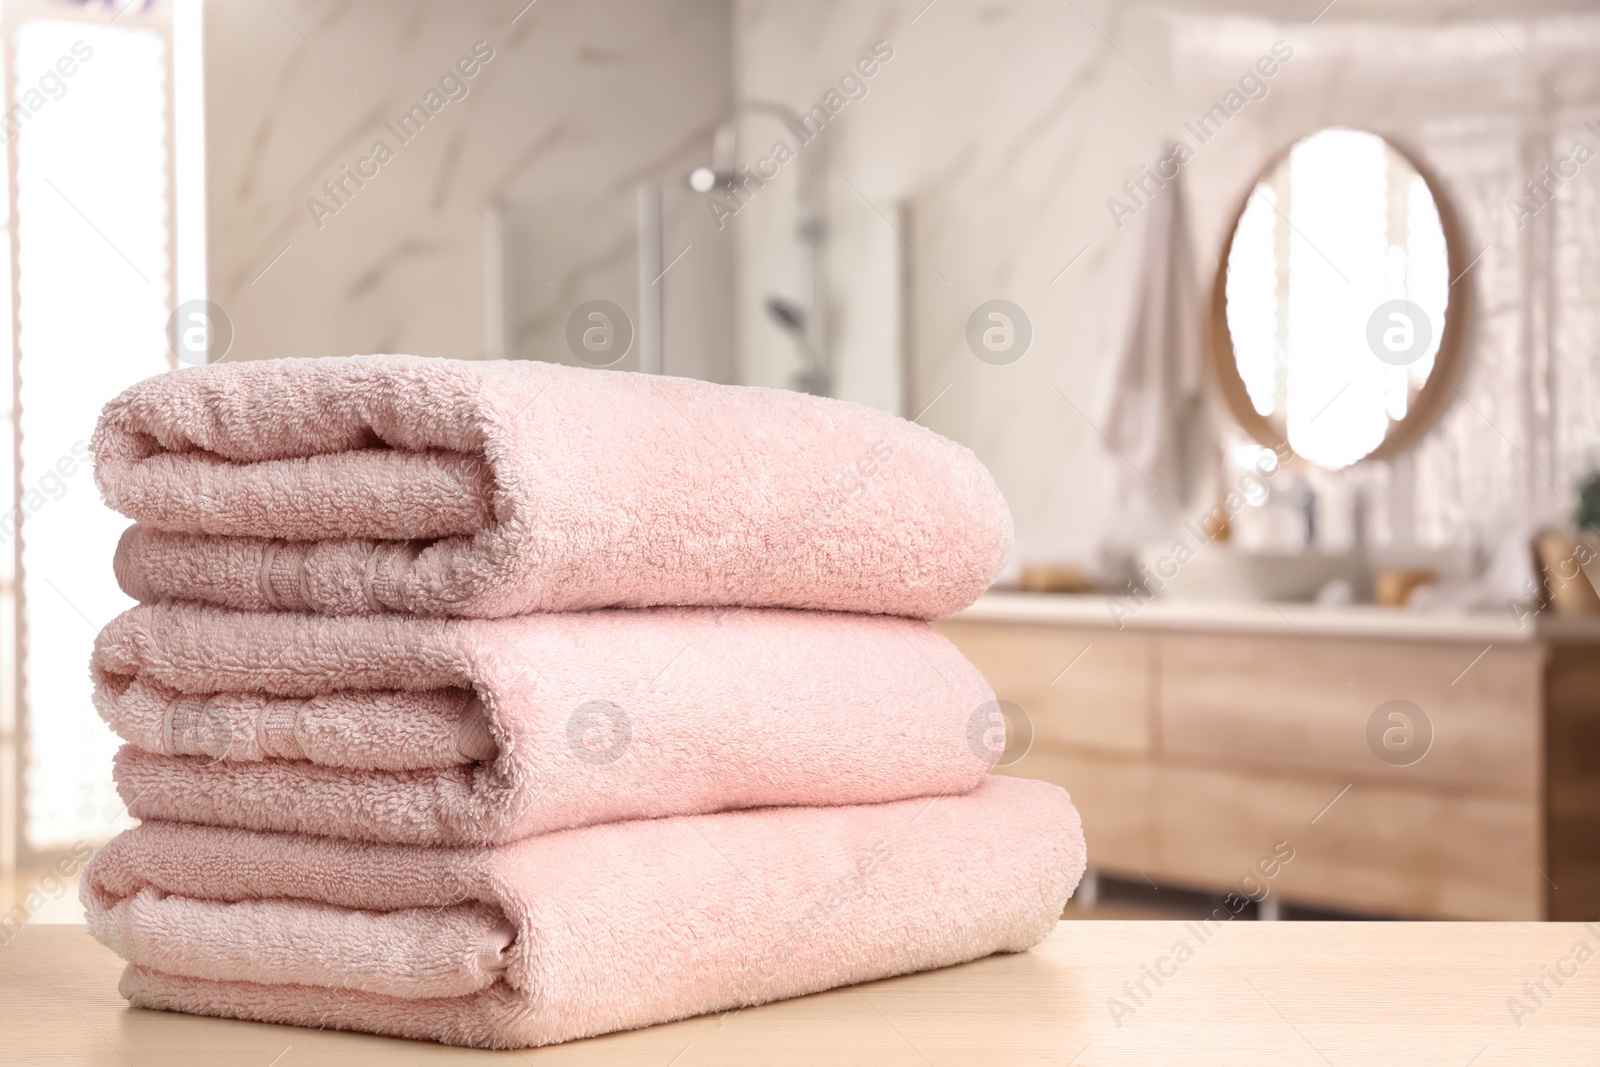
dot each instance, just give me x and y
(1322, 994)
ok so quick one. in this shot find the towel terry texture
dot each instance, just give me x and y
(584, 931)
(486, 489)
(468, 731)
(506, 703)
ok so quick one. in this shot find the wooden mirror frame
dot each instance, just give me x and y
(1434, 396)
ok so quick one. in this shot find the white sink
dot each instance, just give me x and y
(1219, 572)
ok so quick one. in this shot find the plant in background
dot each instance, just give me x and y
(1587, 517)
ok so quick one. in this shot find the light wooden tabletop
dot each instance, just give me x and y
(1322, 994)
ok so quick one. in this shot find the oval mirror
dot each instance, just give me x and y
(1335, 326)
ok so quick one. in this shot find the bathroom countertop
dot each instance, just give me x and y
(1266, 617)
(1249, 993)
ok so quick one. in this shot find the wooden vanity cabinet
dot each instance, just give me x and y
(1193, 751)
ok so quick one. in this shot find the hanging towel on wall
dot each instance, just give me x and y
(1155, 413)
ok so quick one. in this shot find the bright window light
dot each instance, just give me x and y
(93, 217)
(189, 149)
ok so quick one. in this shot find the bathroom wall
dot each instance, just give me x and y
(1524, 428)
(990, 141)
(988, 146)
(999, 179)
(973, 163)
(579, 102)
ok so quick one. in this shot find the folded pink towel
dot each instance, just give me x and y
(468, 731)
(580, 932)
(486, 489)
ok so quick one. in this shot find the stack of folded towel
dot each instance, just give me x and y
(508, 703)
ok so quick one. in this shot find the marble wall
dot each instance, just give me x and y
(569, 107)
(995, 136)
(990, 138)
(974, 162)
(1485, 106)
(990, 141)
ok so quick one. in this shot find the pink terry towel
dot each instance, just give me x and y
(469, 731)
(580, 932)
(485, 489)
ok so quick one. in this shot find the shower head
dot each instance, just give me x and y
(724, 157)
(788, 315)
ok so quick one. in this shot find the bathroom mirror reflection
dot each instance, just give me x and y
(1335, 326)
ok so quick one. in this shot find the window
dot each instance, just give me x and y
(99, 149)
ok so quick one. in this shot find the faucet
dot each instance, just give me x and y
(1308, 511)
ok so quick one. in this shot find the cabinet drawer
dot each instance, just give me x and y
(1282, 702)
(1380, 849)
(1088, 688)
